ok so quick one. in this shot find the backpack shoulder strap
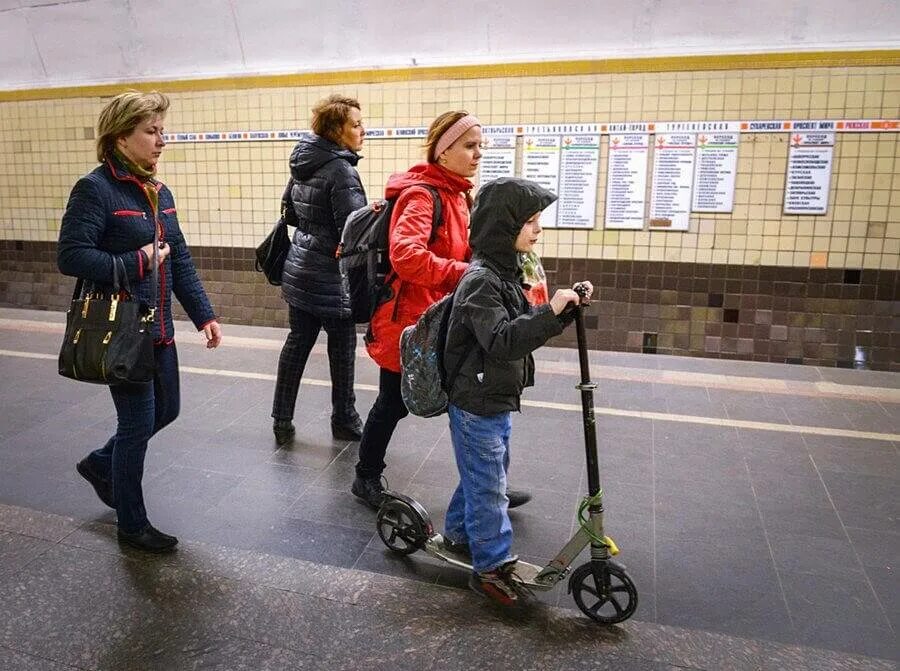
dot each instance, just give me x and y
(437, 218)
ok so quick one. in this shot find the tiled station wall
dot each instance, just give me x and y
(750, 284)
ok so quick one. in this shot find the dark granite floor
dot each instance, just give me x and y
(755, 504)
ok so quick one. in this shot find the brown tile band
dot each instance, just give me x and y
(825, 317)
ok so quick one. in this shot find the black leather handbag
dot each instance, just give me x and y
(273, 250)
(109, 339)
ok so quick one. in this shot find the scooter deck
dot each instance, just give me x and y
(525, 572)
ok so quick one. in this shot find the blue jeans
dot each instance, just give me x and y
(142, 410)
(477, 513)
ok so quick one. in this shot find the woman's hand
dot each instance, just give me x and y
(213, 333)
(164, 250)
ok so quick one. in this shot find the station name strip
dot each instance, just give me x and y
(417, 132)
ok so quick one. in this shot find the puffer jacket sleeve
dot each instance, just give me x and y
(78, 253)
(410, 234)
(186, 283)
(347, 194)
(480, 307)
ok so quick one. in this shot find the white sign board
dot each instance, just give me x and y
(579, 170)
(498, 158)
(808, 173)
(673, 176)
(540, 164)
(714, 172)
(626, 180)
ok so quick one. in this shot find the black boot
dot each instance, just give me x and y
(284, 431)
(352, 431)
(368, 490)
(102, 486)
(149, 539)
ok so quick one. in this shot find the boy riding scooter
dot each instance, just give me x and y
(491, 334)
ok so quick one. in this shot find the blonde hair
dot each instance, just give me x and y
(330, 114)
(437, 128)
(122, 114)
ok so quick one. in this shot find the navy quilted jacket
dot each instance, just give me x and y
(109, 216)
(326, 189)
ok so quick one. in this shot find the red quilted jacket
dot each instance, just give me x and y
(425, 271)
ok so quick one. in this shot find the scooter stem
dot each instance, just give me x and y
(587, 408)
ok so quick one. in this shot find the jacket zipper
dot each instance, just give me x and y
(130, 213)
(162, 276)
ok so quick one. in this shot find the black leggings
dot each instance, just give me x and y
(387, 410)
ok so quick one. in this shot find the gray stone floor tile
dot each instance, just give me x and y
(875, 548)
(866, 501)
(786, 518)
(36, 523)
(816, 599)
(772, 441)
(17, 551)
(321, 504)
(797, 553)
(674, 437)
(12, 660)
(686, 461)
(333, 544)
(869, 457)
(763, 463)
(809, 411)
(849, 636)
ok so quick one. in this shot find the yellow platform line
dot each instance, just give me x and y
(550, 405)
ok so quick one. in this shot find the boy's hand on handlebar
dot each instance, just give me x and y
(561, 299)
(585, 290)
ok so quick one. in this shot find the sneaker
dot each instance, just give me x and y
(461, 549)
(368, 490)
(102, 486)
(498, 585)
(284, 431)
(517, 497)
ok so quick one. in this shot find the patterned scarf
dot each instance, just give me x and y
(145, 178)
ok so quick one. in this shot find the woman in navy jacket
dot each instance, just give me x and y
(110, 219)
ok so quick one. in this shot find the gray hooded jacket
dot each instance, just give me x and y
(492, 329)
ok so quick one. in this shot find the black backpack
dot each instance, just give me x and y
(363, 256)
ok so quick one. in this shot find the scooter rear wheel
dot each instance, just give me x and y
(604, 592)
(400, 527)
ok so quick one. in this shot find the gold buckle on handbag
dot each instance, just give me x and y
(113, 306)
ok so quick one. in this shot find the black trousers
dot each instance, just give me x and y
(305, 328)
(387, 410)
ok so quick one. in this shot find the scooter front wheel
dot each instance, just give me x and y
(400, 527)
(604, 592)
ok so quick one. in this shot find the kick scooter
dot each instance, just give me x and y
(601, 587)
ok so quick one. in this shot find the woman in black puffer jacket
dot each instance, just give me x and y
(326, 188)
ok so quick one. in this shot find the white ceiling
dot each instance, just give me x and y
(46, 43)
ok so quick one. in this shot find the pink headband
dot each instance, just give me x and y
(453, 133)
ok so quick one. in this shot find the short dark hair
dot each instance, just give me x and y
(330, 114)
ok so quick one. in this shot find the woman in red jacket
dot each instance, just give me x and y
(428, 265)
